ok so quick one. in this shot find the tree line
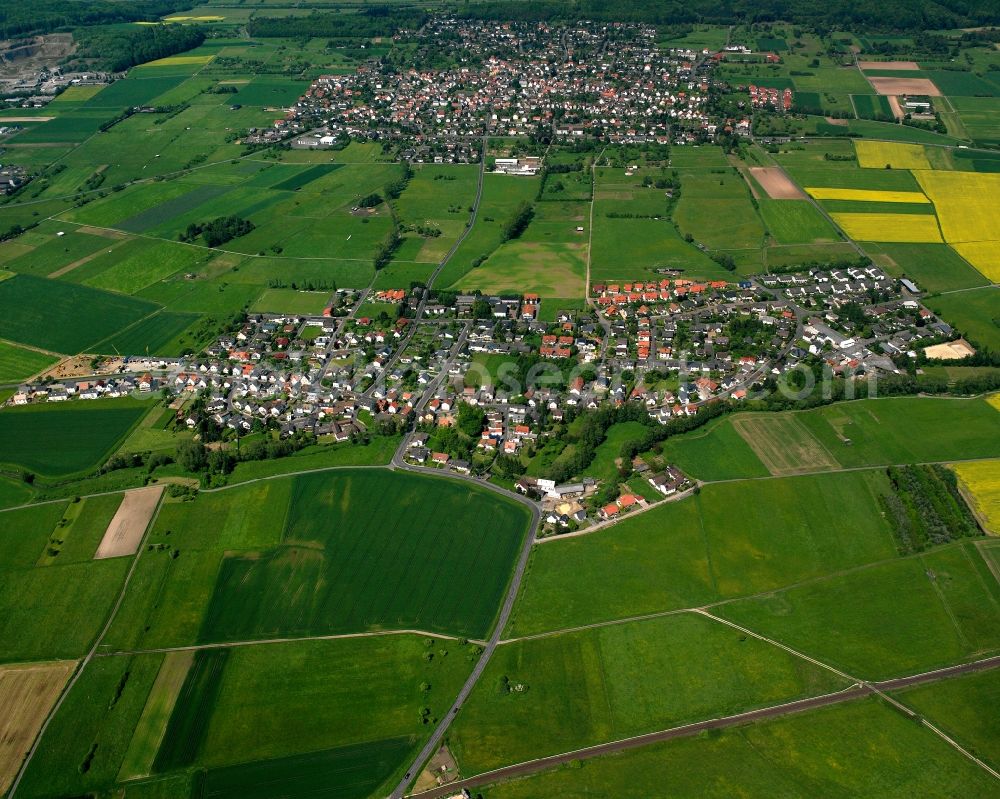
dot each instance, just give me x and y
(118, 49)
(19, 18)
(916, 15)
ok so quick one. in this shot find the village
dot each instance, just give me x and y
(595, 80)
(480, 386)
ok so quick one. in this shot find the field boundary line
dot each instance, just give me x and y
(730, 600)
(848, 694)
(89, 656)
(288, 640)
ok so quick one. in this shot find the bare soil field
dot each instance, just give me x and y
(784, 445)
(125, 531)
(776, 183)
(26, 119)
(79, 366)
(900, 65)
(836, 121)
(27, 694)
(898, 86)
(897, 109)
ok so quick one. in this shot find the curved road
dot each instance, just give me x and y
(529, 540)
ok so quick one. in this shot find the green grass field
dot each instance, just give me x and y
(894, 618)
(584, 688)
(549, 270)
(89, 736)
(60, 439)
(795, 222)
(63, 317)
(708, 197)
(933, 267)
(322, 554)
(390, 564)
(871, 432)
(307, 303)
(17, 363)
(973, 313)
(802, 755)
(905, 430)
(957, 706)
(689, 553)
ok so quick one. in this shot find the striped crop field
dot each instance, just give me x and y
(867, 195)
(913, 228)
(878, 154)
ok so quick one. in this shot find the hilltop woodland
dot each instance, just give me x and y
(834, 14)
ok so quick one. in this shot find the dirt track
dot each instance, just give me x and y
(799, 706)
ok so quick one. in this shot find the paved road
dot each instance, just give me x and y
(435, 740)
(515, 584)
(854, 692)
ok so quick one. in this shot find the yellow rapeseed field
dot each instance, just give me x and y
(994, 400)
(177, 60)
(984, 255)
(876, 154)
(967, 203)
(982, 481)
(868, 195)
(911, 228)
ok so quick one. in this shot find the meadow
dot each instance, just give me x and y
(894, 618)
(707, 197)
(60, 439)
(974, 313)
(933, 267)
(690, 553)
(889, 756)
(559, 693)
(956, 706)
(795, 222)
(501, 195)
(873, 432)
(549, 270)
